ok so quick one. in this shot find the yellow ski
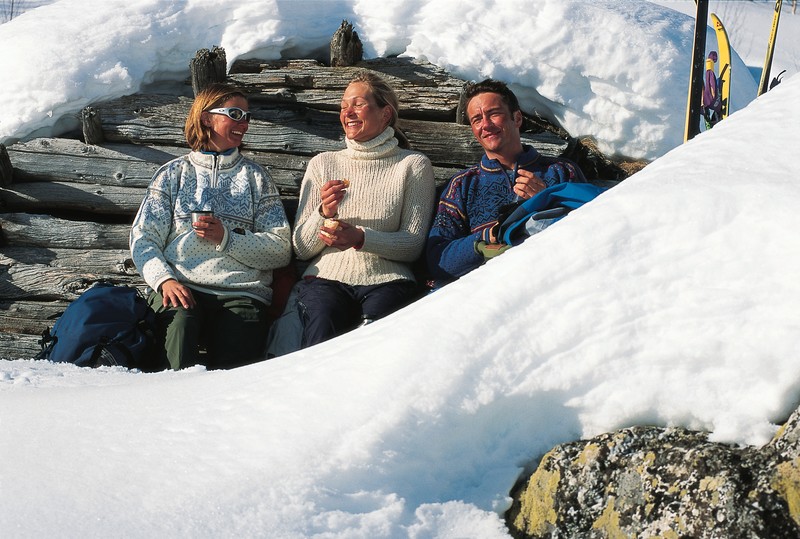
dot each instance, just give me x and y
(724, 84)
(764, 85)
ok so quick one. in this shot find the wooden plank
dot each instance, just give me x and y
(40, 230)
(423, 89)
(70, 160)
(29, 317)
(20, 281)
(78, 197)
(299, 130)
(97, 261)
(19, 346)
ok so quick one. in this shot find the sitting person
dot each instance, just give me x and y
(362, 218)
(475, 200)
(211, 276)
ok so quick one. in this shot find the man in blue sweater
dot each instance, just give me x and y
(475, 200)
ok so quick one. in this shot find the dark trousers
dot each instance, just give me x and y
(232, 329)
(330, 308)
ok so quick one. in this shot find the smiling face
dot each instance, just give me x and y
(226, 133)
(495, 127)
(362, 119)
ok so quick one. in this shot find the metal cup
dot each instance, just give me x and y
(197, 214)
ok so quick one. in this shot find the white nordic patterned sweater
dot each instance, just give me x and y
(240, 193)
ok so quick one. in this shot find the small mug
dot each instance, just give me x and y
(200, 213)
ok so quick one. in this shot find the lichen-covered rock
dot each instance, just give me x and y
(663, 482)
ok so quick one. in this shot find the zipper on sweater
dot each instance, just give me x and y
(215, 171)
(512, 179)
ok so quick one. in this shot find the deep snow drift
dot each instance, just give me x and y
(670, 300)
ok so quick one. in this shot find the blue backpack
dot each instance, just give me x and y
(106, 325)
(543, 209)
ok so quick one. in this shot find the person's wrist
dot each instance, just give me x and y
(325, 215)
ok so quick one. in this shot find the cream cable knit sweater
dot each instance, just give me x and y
(391, 198)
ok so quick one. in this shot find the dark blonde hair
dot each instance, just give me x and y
(384, 96)
(212, 96)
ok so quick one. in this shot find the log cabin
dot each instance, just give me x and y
(67, 202)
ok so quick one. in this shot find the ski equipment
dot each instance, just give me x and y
(763, 85)
(694, 106)
(712, 102)
(776, 80)
(107, 325)
(725, 75)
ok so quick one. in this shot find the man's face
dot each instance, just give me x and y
(494, 126)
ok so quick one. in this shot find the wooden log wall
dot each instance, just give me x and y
(66, 206)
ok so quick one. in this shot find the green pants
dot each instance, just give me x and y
(231, 329)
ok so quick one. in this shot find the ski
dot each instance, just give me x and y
(694, 105)
(725, 77)
(764, 85)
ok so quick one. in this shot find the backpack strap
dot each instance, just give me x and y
(46, 342)
(98, 358)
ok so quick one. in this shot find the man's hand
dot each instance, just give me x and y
(527, 184)
(176, 295)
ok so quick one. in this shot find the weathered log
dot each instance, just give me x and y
(424, 90)
(6, 170)
(91, 126)
(346, 47)
(30, 317)
(69, 160)
(206, 67)
(154, 119)
(37, 281)
(40, 230)
(98, 261)
(60, 197)
(19, 346)
(132, 165)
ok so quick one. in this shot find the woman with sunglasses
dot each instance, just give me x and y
(211, 274)
(362, 218)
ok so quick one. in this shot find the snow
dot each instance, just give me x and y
(670, 300)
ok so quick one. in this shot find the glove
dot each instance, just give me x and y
(490, 250)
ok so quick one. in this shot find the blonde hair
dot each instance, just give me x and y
(197, 134)
(384, 96)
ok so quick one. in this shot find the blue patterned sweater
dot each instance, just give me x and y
(471, 205)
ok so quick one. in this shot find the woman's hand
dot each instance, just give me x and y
(332, 193)
(176, 295)
(342, 237)
(209, 228)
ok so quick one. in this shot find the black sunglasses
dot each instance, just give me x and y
(234, 113)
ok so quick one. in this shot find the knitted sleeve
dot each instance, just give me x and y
(450, 249)
(308, 220)
(407, 242)
(561, 171)
(151, 227)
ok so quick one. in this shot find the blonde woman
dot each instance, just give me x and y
(362, 218)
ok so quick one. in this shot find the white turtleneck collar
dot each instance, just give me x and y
(380, 146)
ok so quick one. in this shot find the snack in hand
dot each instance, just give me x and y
(346, 183)
(331, 224)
